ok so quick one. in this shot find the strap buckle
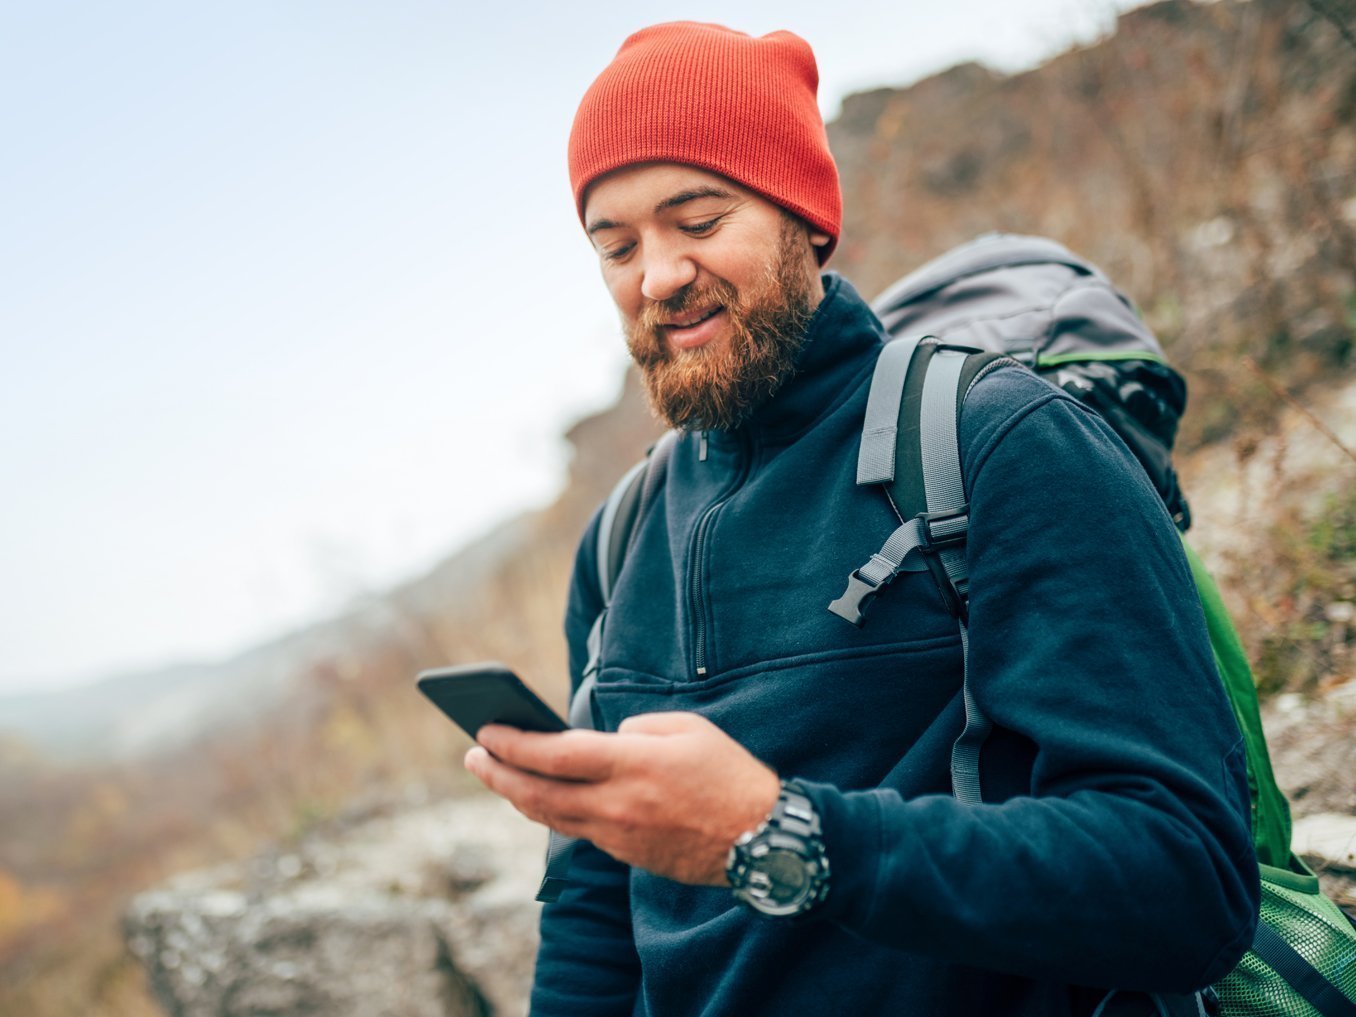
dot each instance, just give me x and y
(851, 606)
(941, 532)
(930, 534)
(944, 530)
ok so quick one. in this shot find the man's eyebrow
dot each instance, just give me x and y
(602, 224)
(673, 201)
(683, 197)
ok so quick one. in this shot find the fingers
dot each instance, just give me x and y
(559, 804)
(566, 755)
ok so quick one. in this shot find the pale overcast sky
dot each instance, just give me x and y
(294, 298)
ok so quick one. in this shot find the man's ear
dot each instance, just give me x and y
(818, 239)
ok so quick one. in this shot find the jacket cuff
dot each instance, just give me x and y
(851, 829)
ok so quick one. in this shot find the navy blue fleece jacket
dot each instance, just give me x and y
(1112, 849)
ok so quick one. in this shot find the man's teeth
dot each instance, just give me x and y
(696, 321)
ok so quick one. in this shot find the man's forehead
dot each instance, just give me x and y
(652, 187)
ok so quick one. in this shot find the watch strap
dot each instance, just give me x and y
(794, 813)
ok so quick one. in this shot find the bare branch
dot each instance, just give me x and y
(1290, 400)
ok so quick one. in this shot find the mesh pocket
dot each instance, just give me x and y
(1316, 929)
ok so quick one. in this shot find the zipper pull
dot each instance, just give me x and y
(701, 448)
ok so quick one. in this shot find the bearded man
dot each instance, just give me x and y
(1112, 849)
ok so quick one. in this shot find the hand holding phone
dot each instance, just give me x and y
(477, 694)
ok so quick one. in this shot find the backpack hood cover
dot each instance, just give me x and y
(1014, 293)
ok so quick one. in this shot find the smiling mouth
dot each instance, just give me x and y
(696, 319)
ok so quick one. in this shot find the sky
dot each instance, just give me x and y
(294, 298)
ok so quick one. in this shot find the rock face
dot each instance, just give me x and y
(428, 913)
(1313, 751)
(298, 954)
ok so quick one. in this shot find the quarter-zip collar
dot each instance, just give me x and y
(841, 340)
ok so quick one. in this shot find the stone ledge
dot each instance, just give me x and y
(426, 913)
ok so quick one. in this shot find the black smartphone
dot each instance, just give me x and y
(489, 693)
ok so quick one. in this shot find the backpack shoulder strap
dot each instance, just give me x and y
(909, 447)
(614, 526)
(617, 527)
(919, 388)
(948, 517)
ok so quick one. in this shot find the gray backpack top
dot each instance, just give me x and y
(1034, 300)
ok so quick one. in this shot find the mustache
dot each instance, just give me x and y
(655, 314)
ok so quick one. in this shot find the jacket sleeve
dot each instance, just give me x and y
(587, 960)
(1126, 862)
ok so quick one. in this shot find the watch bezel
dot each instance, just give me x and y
(743, 871)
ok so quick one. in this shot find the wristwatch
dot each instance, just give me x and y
(781, 869)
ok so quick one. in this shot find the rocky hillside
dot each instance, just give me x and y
(1204, 157)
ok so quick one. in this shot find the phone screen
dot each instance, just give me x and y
(477, 694)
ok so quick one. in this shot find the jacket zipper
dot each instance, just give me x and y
(697, 584)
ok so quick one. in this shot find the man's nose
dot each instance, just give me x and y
(667, 271)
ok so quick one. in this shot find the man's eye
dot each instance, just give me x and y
(616, 253)
(697, 229)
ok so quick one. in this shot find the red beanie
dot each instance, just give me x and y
(720, 100)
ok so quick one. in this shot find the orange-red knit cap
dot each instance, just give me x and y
(721, 100)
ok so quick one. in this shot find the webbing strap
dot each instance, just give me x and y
(1302, 976)
(922, 534)
(625, 489)
(654, 476)
(880, 569)
(937, 431)
(617, 529)
(876, 457)
(936, 539)
(965, 753)
(942, 480)
(894, 557)
(581, 703)
(899, 387)
(622, 512)
(945, 489)
(559, 851)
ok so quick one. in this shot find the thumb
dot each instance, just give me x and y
(668, 722)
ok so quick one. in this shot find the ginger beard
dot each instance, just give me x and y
(717, 386)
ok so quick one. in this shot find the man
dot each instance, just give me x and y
(1112, 849)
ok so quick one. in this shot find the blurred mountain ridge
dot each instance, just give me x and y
(162, 709)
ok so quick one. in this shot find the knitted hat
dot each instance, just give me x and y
(720, 100)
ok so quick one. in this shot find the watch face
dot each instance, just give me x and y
(787, 878)
(781, 871)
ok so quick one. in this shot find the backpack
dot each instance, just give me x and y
(1029, 300)
(1303, 957)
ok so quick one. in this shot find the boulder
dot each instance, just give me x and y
(1330, 839)
(1312, 741)
(427, 911)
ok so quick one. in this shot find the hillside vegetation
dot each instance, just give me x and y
(1205, 156)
